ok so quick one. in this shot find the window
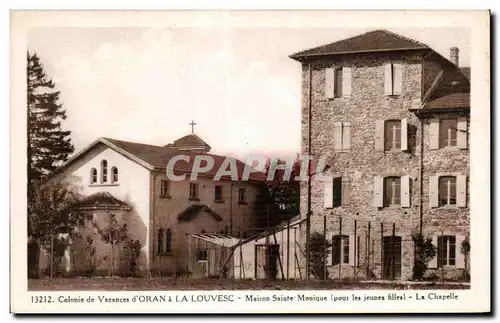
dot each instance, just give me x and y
(392, 191)
(446, 252)
(218, 193)
(338, 83)
(93, 176)
(168, 241)
(164, 188)
(392, 134)
(193, 191)
(114, 174)
(160, 240)
(342, 136)
(104, 171)
(340, 250)
(447, 190)
(337, 192)
(242, 198)
(448, 133)
(202, 255)
(393, 79)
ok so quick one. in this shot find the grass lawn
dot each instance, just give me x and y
(144, 284)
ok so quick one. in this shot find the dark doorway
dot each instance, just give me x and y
(391, 268)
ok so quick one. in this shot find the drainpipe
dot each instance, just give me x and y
(231, 209)
(308, 216)
(421, 211)
(153, 209)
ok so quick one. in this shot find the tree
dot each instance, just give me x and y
(114, 233)
(52, 212)
(424, 252)
(278, 199)
(48, 145)
(465, 250)
(320, 248)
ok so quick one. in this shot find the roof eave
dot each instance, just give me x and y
(301, 57)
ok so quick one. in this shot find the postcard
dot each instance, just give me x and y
(250, 161)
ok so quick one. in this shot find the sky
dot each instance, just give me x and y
(238, 84)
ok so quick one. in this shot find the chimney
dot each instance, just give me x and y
(454, 55)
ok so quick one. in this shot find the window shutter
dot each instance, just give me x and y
(352, 251)
(433, 262)
(404, 134)
(378, 191)
(346, 81)
(460, 258)
(388, 79)
(433, 191)
(434, 134)
(405, 191)
(462, 133)
(337, 136)
(398, 79)
(379, 135)
(346, 194)
(330, 83)
(346, 136)
(328, 192)
(461, 191)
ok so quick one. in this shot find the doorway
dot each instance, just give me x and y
(391, 268)
(266, 261)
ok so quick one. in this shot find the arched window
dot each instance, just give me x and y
(168, 238)
(160, 240)
(93, 176)
(114, 175)
(104, 171)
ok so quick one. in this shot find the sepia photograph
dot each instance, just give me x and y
(219, 155)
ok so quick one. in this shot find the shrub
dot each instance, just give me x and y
(132, 251)
(424, 252)
(318, 248)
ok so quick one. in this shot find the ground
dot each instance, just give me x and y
(109, 284)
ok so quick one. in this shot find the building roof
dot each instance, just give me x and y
(103, 200)
(193, 210)
(218, 239)
(191, 141)
(373, 41)
(451, 91)
(157, 157)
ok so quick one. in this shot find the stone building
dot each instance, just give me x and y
(129, 180)
(391, 115)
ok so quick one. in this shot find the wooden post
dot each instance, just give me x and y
(368, 250)
(382, 270)
(51, 255)
(355, 244)
(441, 257)
(288, 249)
(393, 251)
(324, 248)
(341, 247)
(190, 255)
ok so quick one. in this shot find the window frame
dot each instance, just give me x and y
(114, 173)
(104, 171)
(164, 189)
(168, 241)
(337, 196)
(395, 187)
(219, 189)
(396, 125)
(242, 195)
(93, 175)
(339, 79)
(194, 187)
(447, 141)
(160, 234)
(445, 258)
(343, 250)
(451, 185)
(201, 252)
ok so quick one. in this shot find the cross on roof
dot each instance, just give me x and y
(192, 124)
